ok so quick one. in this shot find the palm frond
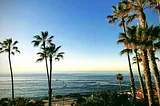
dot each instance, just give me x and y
(18, 51)
(114, 8)
(15, 42)
(15, 48)
(124, 51)
(156, 58)
(109, 17)
(40, 60)
(6, 50)
(61, 53)
(57, 48)
(57, 59)
(12, 53)
(35, 43)
(130, 18)
(60, 56)
(120, 41)
(51, 37)
(37, 37)
(42, 54)
(2, 51)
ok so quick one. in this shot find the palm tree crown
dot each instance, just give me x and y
(9, 46)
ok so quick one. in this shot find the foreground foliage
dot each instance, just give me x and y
(20, 101)
(104, 98)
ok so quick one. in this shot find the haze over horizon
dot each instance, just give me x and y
(79, 26)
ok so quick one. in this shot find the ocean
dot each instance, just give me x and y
(36, 86)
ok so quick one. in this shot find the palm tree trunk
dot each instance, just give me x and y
(142, 18)
(131, 73)
(46, 63)
(147, 75)
(9, 57)
(158, 4)
(132, 81)
(120, 85)
(155, 71)
(140, 77)
(123, 24)
(50, 82)
(47, 70)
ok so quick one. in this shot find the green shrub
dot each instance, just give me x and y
(58, 96)
(4, 101)
(20, 101)
(105, 98)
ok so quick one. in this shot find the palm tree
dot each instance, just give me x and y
(153, 39)
(120, 13)
(128, 51)
(145, 63)
(134, 44)
(42, 41)
(138, 6)
(52, 52)
(120, 78)
(9, 46)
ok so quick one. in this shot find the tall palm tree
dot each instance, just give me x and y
(120, 13)
(42, 40)
(127, 52)
(153, 39)
(120, 78)
(145, 63)
(134, 44)
(52, 52)
(10, 47)
(138, 7)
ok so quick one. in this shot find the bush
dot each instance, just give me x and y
(20, 101)
(58, 96)
(4, 101)
(74, 95)
(80, 100)
(105, 98)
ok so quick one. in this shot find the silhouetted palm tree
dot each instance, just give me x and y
(120, 78)
(10, 47)
(52, 52)
(42, 41)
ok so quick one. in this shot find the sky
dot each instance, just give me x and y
(79, 26)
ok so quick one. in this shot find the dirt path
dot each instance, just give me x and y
(60, 102)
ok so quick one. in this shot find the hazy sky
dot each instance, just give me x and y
(80, 26)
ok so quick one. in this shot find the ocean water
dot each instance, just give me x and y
(36, 86)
